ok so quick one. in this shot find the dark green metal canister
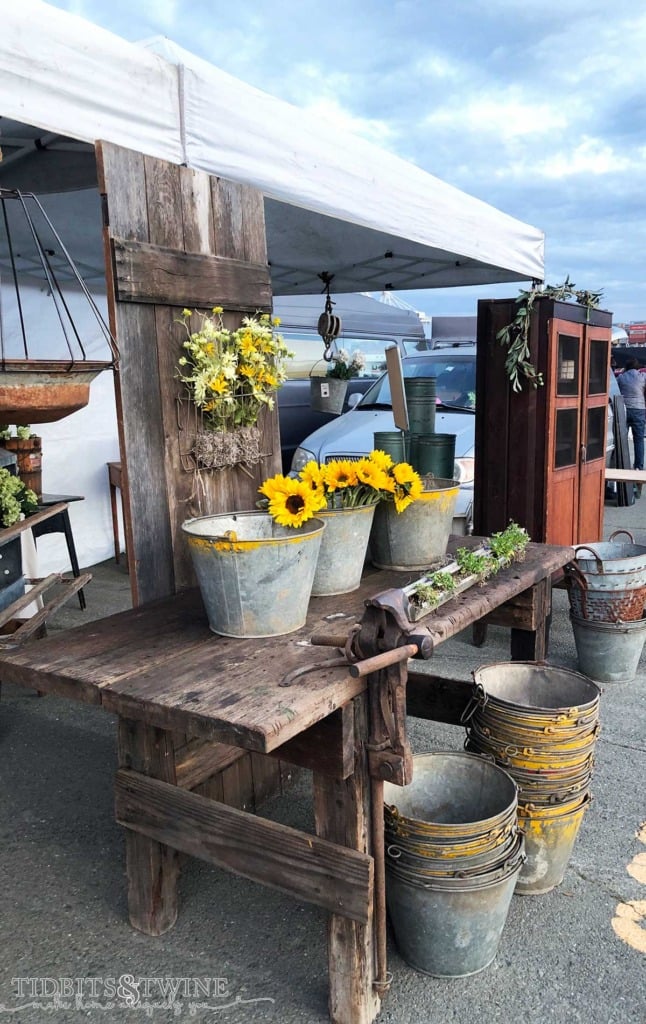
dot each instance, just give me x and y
(420, 400)
(433, 453)
(395, 443)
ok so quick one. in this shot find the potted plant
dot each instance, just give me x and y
(16, 500)
(327, 394)
(344, 495)
(230, 377)
(29, 455)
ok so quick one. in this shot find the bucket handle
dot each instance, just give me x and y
(627, 532)
(477, 700)
(393, 852)
(574, 575)
(591, 551)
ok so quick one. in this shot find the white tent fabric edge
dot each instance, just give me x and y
(65, 75)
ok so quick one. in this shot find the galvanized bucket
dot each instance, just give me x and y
(327, 394)
(451, 927)
(254, 575)
(527, 691)
(550, 834)
(343, 549)
(613, 563)
(453, 796)
(609, 651)
(417, 537)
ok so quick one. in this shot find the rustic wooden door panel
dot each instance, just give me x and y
(166, 218)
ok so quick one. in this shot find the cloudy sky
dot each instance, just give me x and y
(538, 109)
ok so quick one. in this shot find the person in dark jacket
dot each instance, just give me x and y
(632, 385)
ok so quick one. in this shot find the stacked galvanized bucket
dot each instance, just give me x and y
(453, 855)
(540, 723)
(606, 585)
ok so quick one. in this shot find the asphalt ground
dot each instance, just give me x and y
(242, 953)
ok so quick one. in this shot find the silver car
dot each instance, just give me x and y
(352, 434)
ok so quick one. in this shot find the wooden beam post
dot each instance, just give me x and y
(152, 867)
(342, 815)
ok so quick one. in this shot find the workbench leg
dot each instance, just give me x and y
(532, 645)
(152, 867)
(342, 815)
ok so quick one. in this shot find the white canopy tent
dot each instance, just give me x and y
(334, 204)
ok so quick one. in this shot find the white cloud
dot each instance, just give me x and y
(504, 116)
(590, 156)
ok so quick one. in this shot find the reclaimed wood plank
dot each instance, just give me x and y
(152, 866)
(436, 698)
(160, 274)
(199, 760)
(237, 785)
(266, 776)
(283, 858)
(197, 213)
(123, 179)
(326, 747)
(240, 702)
(164, 204)
(227, 199)
(343, 815)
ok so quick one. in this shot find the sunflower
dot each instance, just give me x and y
(313, 475)
(405, 474)
(340, 474)
(271, 486)
(372, 475)
(381, 459)
(292, 503)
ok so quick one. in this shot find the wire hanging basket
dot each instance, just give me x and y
(50, 380)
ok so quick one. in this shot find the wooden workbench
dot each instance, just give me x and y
(188, 702)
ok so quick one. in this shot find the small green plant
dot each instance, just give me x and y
(515, 336)
(509, 543)
(24, 433)
(5, 432)
(429, 591)
(15, 498)
(472, 564)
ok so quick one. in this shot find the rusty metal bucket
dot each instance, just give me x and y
(550, 834)
(254, 575)
(589, 600)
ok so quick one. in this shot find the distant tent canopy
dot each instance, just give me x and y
(334, 204)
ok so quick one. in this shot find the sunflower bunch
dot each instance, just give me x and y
(339, 484)
(231, 375)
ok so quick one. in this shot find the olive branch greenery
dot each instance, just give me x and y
(515, 336)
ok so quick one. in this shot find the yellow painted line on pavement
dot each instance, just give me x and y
(629, 922)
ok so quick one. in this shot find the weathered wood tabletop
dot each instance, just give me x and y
(161, 663)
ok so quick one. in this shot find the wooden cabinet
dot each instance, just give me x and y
(540, 453)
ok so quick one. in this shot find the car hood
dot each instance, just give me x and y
(347, 434)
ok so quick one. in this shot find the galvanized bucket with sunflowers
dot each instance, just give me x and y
(257, 570)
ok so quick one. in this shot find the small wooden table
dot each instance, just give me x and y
(114, 482)
(185, 699)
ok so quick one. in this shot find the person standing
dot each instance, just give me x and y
(632, 385)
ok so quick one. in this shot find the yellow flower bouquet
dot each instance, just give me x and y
(341, 483)
(230, 377)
